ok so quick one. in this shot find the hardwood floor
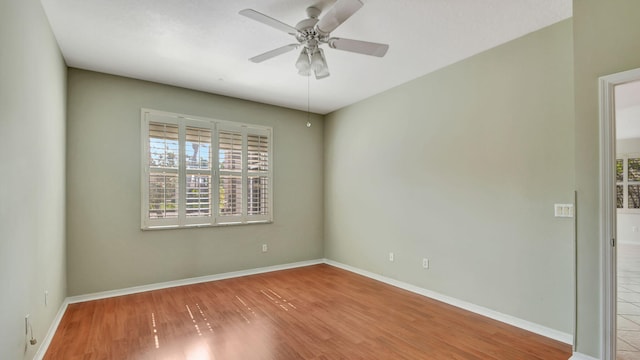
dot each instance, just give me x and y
(316, 312)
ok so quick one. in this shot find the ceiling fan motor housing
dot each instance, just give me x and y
(307, 33)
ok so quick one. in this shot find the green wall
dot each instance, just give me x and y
(105, 246)
(463, 166)
(32, 185)
(606, 41)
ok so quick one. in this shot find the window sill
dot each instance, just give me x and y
(629, 211)
(198, 226)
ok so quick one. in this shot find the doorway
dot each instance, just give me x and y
(627, 123)
(620, 210)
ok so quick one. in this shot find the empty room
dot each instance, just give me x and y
(330, 179)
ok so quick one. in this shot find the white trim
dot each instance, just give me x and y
(190, 281)
(42, 350)
(607, 208)
(579, 356)
(157, 286)
(574, 253)
(508, 319)
(607, 218)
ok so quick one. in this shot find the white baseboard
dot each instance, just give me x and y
(164, 285)
(578, 356)
(52, 330)
(511, 320)
(189, 281)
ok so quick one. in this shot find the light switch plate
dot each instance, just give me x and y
(563, 210)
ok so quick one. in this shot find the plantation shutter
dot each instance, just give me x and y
(258, 175)
(198, 179)
(204, 172)
(163, 158)
(633, 183)
(230, 149)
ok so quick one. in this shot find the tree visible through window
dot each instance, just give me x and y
(186, 183)
(198, 160)
(628, 182)
(163, 165)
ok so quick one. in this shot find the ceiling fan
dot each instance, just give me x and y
(313, 32)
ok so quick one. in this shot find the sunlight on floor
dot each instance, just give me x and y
(628, 345)
(199, 351)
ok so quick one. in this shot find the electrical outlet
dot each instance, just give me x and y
(26, 324)
(390, 256)
(425, 263)
(265, 248)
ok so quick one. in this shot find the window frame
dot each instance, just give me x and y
(215, 218)
(625, 183)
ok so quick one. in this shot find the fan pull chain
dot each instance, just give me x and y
(308, 100)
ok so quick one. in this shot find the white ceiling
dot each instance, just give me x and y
(627, 104)
(205, 44)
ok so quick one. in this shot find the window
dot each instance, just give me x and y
(204, 172)
(628, 182)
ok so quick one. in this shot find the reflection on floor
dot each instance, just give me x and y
(317, 312)
(628, 302)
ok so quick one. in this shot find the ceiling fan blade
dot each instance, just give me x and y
(360, 47)
(267, 20)
(273, 53)
(339, 13)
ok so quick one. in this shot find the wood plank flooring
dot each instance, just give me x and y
(316, 312)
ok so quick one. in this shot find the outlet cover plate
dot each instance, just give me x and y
(563, 210)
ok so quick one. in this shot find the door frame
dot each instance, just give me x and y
(608, 210)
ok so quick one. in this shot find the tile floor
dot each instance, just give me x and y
(628, 302)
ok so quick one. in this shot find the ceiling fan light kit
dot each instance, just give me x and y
(319, 64)
(303, 65)
(313, 32)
